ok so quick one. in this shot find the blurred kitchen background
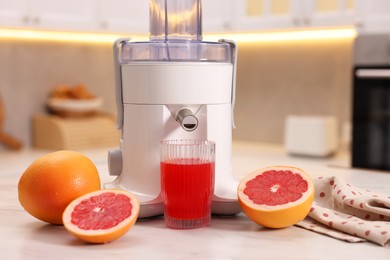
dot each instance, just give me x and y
(295, 56)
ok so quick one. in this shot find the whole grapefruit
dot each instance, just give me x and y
(52, 181)
(276, 197)
(101, 216)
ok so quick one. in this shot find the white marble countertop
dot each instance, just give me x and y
(24, 237)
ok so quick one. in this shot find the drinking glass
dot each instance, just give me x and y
(187, 182)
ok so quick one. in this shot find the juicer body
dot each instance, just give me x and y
(149, 95)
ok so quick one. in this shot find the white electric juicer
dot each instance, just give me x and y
(174, 86)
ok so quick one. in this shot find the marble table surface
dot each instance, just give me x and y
(24, 237)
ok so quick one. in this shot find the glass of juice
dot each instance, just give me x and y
(187, 182)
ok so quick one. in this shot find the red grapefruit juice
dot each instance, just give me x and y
(187, 186)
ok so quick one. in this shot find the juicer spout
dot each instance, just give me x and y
(187, 119)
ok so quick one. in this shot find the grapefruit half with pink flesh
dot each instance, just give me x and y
(276, 197)
(101, 216)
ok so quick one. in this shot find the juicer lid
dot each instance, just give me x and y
(175, 51)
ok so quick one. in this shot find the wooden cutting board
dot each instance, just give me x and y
(6, 139)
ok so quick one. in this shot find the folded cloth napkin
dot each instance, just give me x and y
(349, 213)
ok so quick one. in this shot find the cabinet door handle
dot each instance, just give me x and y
(37, 20)
(104, 24)
(226, 25)
(373, 73)
(296, 21)
(359, 23)
(306, 20)
(26, 19)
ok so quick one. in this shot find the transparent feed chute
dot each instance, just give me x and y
(176, 35)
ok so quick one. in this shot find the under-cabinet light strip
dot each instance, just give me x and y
(58, 36)
(293, 35)
(319, 34)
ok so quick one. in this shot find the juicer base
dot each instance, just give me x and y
(218, 207)
(148, 210)
(153, 206)
(225, 207)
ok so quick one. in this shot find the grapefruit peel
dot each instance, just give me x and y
(53, 180)
(279, 183)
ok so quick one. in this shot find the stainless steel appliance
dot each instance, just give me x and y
(371, 102)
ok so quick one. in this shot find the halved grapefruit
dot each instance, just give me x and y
(101, 216)
(276, 197)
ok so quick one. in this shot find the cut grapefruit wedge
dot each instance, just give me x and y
(276, 197)
(101, 216)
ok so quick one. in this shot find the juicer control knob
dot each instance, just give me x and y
(115, 162)
(187, 119)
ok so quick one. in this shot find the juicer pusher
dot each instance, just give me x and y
(175, 86)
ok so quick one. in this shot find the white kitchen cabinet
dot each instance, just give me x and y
(14, 13)
(129, 16)
(284, 14)
(217, 15)
(69, 14)
(132, 16)
(265, 14)
(325, 13)
(123, 16)
(48, 14)
(373, 16)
